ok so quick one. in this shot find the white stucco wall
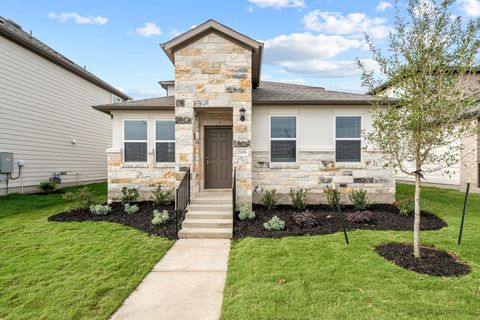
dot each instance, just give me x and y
(42, 108)
(315, 125)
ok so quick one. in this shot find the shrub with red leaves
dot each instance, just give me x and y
(359, 217)
(305, 219)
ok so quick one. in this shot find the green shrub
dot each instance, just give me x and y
(130, 208)
(359, 199)
(160, 217)
(270, 199)
(48, 186)
(299, 198)
(100, 210)
(274, 224)
(406, 205)
(333, 198)
(84, 196)
(161, 197)
(129, 194)
(246, 214)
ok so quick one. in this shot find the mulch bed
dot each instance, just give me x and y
(433, 261)
(385, 217)
(141, 220)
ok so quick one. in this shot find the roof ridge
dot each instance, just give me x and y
(291, 84)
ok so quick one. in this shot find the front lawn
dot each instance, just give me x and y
(319, 277)
(78, 270)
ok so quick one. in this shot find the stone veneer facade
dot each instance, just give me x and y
(316, 170)
(213, 73)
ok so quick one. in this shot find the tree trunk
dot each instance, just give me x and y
(416, 222)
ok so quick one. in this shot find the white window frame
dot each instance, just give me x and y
(155, 136)
(126, 141)
(347, 139)
(282, 139)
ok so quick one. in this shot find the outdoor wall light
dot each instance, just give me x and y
(242, 114)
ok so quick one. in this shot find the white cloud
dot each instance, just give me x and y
(471, 8)
(88, 19)
(336, 23)
(268, 77)
(174, 32)
(149, 29)
(249, 8)
(304, 46)
(326, 68)
(383, 6)
(145, 93)
(278, 4)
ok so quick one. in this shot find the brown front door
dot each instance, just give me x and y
(218, 157)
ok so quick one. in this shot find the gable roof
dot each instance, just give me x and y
(268, 93)
(213, 26)
(14, 33)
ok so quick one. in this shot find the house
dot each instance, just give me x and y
(46, 118)
(465, 149)
(220, 122)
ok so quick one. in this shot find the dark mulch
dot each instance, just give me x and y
(433, 261)
(385, 217)
(141, 220)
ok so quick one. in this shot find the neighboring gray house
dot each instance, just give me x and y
(219, 119)
(45, 113)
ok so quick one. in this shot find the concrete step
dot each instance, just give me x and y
(210, 207)
(205, 233)
(209, 215)
(207, 223)
(211, 200)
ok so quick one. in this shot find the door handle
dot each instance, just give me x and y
(207, 159)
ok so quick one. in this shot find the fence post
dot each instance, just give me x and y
(463, 214)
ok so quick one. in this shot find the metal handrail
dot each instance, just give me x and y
(182, 199)
(234, 190)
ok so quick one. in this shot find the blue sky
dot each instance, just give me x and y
(306, 41)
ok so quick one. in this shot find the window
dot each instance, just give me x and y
(165, 141)
(135, 140)
(348, 140)
(283, 138)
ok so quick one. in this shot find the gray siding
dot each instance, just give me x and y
(42, 108)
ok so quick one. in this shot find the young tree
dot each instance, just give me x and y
(430, 64)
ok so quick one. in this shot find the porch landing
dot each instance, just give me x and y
(209, 215)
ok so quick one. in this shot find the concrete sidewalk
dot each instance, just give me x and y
(187, 283)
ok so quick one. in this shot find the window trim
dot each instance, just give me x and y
(347, 139)
(282, 139)
(155, 140)
(124, 141)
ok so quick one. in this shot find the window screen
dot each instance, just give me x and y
(348, 141)
(283, 139)
(165, 141)
(135, 140)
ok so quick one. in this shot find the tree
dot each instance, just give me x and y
(430, 58)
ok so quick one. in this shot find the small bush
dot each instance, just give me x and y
(359, 217)
(48, 186)
(305, 219)
(405, 206)
(162, 197)
(274, 224)
(246, 214)
(100, 210)
(359, 199)
(130, 208)
(129, 194)
(299, 198)
(160, 217)
(333, 198)
(270, 199)
(84, 196)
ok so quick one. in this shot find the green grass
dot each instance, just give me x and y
(52, 270)
(326, 279)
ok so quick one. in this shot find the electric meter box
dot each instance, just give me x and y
(6, 162)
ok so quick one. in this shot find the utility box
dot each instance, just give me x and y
(6, 162)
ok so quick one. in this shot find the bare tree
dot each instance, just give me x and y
(430, 59)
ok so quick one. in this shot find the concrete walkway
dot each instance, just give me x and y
(187, 283)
